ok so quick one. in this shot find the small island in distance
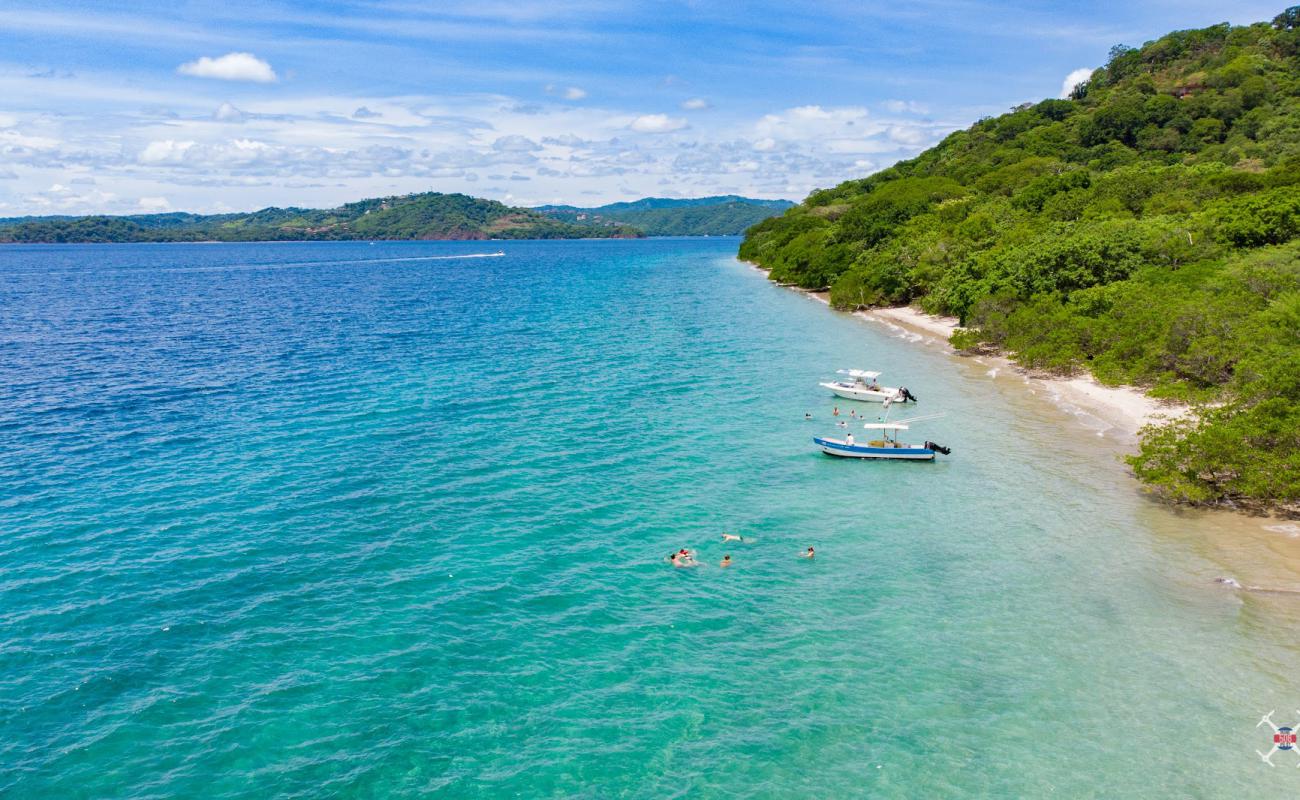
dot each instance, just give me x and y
(426, 216)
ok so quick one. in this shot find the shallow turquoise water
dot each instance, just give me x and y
(345, 520)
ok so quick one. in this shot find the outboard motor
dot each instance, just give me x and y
(906, 395)
(938, 448)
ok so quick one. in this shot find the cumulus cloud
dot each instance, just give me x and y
(566, 140)
(163, 151)
(226, 112)
(813, 123)
(1074, 79)
(447, 143)
(657, 123)
(230, 67)
(515, 143)
(695, 104)
(63, 199)
(908, 135)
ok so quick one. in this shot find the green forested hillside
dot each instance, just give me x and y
(656, 216)
(415, 216)
(1145, 229)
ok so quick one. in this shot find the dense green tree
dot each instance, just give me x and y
(1147, 230)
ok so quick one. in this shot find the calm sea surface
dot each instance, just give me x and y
(352, 520)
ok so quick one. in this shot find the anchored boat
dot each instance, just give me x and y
(887, 446)
(863, 385)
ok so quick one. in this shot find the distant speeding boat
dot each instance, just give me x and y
(887, 446)
(862, 385)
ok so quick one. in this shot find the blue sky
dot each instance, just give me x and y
(124, 107)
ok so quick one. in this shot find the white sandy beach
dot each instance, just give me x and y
(1126, 408)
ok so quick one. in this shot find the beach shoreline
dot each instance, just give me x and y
(1125, 410)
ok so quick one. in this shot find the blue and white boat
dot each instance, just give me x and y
(887, 446)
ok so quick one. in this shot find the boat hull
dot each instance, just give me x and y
(858, 393)
(836, 447)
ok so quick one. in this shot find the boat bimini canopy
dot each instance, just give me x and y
(859, 373)
(886, 426)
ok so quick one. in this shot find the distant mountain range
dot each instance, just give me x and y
(725, 215)
(416, 216)
(428, 215)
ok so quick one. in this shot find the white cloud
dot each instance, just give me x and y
(695, 104)
(228, 113)
(154, 204)
(657, 123)
(164, 151)
(566, 140)
(310, 149)
(230, 67)
(1074, 79)
(515, 144)
(568, 93)
(908, 135)
(811, 123)
(905, 107)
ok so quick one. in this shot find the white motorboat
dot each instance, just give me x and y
(863, 385)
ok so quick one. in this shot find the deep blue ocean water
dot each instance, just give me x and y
(351, 520)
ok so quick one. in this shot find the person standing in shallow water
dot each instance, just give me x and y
(807, 553)
(726, 561)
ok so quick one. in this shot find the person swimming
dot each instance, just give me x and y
(808, 553)
(835, 412)
(806, 415)
(726, 561)
(732, 537)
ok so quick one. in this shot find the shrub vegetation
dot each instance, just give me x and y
(1144, 230)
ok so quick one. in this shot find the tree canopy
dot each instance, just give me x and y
(1144, 230)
